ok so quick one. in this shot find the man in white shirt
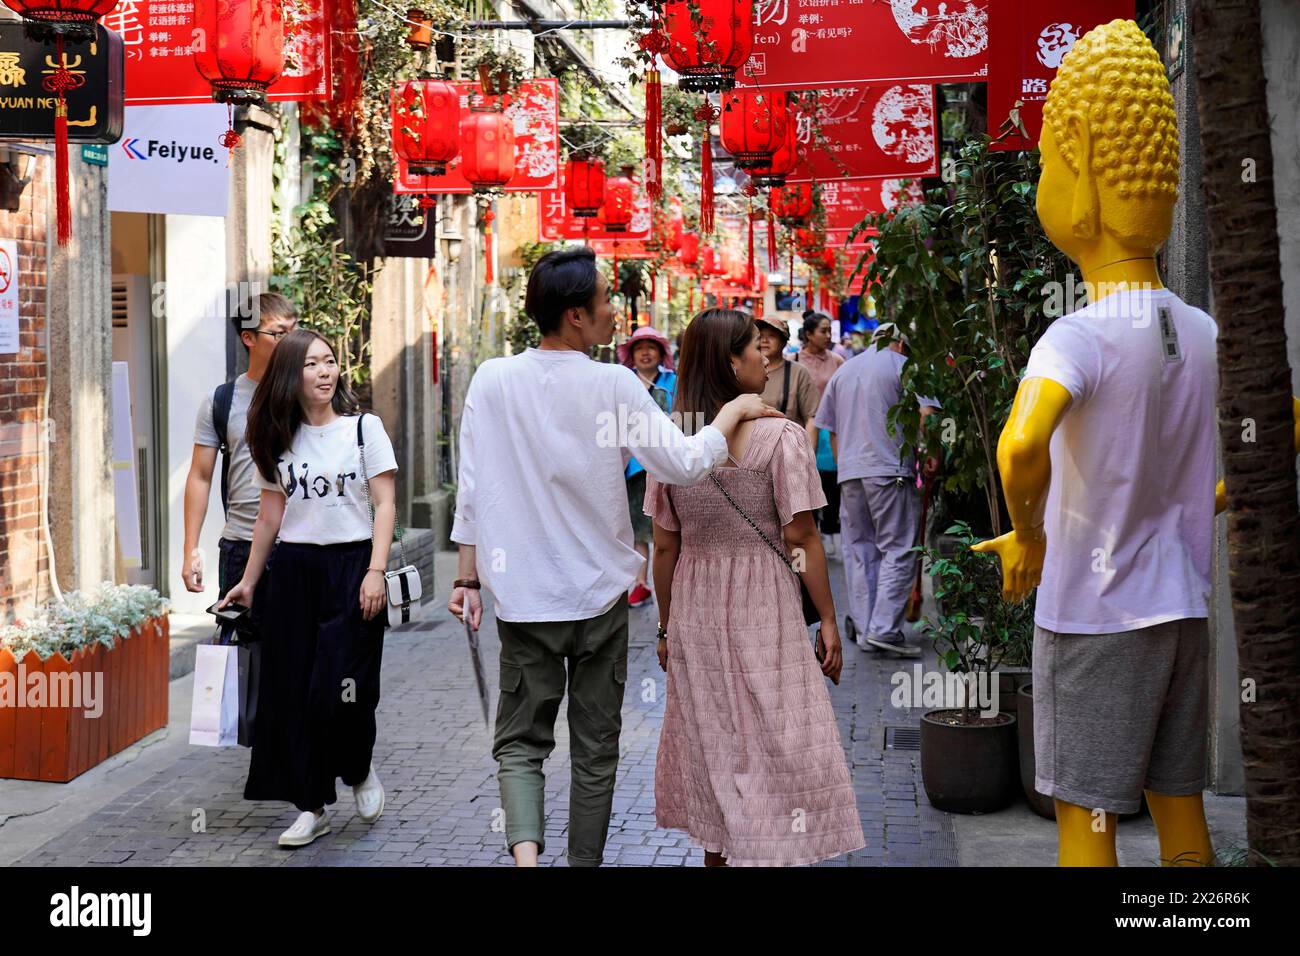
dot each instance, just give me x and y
(542, 521)
(879, 506)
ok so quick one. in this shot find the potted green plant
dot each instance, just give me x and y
(499, 70)
(969, 752)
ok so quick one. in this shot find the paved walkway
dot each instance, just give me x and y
(433, 756)
(162, 802)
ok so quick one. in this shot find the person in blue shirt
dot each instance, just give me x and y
(649, 355)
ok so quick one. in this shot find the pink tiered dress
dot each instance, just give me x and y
(750, 762)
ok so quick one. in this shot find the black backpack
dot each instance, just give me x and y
(221, 401)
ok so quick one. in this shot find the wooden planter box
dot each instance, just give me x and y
(60, 743)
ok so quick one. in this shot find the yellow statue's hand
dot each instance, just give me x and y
(1220, 498)
(1021, 553)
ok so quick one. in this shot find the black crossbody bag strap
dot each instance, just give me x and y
(785, 389)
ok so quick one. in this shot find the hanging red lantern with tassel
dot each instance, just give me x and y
(793, 204)
(241, 48)
(240, 52)
(426, 125)
(782, 163)
(708, 41)
(487, 149)
(753, 126)
(584, 185)
(618, 201)
(70, 20)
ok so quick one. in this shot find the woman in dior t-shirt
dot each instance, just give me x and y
(325, 608)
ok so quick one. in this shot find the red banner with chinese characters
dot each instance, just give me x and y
(1029, 41)
(555, 223)
(847, 202)
(535, 111)
(825, 43)
(160, 68)
(869, 132)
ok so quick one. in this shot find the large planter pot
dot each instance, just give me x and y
(1041, 805)
(87, 708)
(968, 768)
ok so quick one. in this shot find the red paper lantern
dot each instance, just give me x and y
(584, 186)
(711, 262)
(426, 125)
(618, 202)
(240, 47)
(753, 126)
(487, 150)
(782, 163)
(793, 204)
(708, 41)
(689, 253)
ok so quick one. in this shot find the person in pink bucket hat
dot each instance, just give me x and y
(647, 353)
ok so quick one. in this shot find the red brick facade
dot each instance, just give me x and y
(24, 577)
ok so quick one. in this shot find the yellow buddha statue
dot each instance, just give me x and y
(1107, 463)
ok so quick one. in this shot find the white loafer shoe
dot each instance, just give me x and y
(306, 829)
(370, 797)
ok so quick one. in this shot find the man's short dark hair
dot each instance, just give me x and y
(563, 279)
(266, 307)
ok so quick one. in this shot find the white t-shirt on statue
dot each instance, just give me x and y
(1130, 511)
(320, 477)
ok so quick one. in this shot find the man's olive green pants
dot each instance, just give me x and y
(535, 660)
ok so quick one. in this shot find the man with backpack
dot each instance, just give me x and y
(220, 428)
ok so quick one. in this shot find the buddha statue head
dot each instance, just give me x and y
(1109, 149)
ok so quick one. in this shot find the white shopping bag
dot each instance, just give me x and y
(214, 716)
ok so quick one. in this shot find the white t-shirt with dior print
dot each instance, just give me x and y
(320, 477)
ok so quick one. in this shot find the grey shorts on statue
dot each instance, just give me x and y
(1116, 714)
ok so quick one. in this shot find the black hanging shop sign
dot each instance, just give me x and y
(410, 231)
(27, 108)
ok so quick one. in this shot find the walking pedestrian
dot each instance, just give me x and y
(323, 471)
(816, 356)
(790, 388)
(749, 735)
(542, 520)
(222, 420)
(879, 504)
(646, 353)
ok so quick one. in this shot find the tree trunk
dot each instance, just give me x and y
(1254, 395)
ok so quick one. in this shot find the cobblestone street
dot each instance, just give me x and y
(433, 757)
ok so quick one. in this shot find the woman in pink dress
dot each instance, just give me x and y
(750, 762)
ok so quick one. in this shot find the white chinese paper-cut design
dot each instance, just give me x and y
(533, 115)
(893, 195)
(957, 29)
(902, 123)
(304, 38)
(1054, 42)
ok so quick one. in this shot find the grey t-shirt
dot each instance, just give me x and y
(855, 406)
(244, 494)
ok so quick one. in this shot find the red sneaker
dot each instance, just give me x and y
(639, 595)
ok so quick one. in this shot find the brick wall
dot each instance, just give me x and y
(24, 576)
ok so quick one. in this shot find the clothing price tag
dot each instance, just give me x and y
(1169, 337)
